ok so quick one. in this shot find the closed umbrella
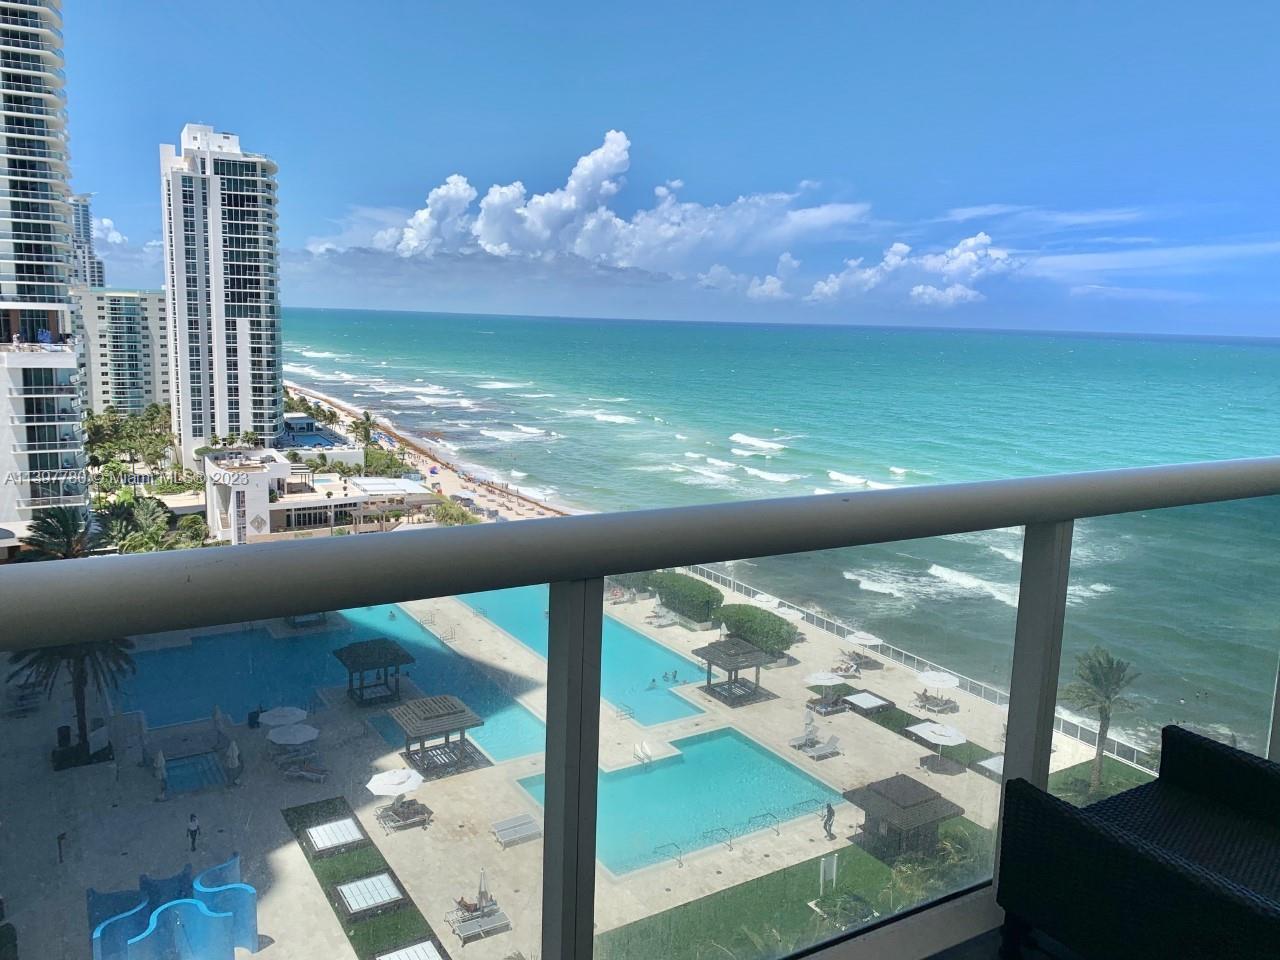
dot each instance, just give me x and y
(293, 734)
(282, 716)
(233, 755)
(158, 764)
(392, 783)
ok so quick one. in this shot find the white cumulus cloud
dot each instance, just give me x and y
(104, 231)
(931, 296)
(855, 278)
(968, 260)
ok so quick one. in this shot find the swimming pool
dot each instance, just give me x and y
(245, 668)
(630, 660)
(721, 781)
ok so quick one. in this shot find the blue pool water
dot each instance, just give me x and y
(630, 660)
(723, 780)
(245, 668)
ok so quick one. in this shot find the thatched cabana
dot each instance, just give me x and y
(380, 657)
(731, 656)
(430, 719)
(902, 816)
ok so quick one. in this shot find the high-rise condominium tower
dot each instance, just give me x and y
(125, 348)
(86, 268)
(219, 207)
(41, 442)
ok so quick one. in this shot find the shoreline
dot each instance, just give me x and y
(421, 453)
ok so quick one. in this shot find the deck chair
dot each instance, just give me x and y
(401, 814)
(821, 751)
(307, 771)
(482, 926)
(516, 830)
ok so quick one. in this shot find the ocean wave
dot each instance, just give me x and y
(501, 385)
(876, 485)
(337, 376)
(899, 471)
(600, 416)
(511, 436)
(609, 399)
(722, 464)
(460, 403)
(739, 452)
(850, 479)
(1006, 594)
(681, 436)
(749, 441)
(771, 477)
(820, 491)
(517, 474)
(534, 396)
(694, 456)
(321, 354)
(872, 584)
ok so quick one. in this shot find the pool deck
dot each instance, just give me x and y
(116, 829)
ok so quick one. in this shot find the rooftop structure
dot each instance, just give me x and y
(220, 272)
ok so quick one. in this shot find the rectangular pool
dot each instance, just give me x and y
(247, 668)
(630, 660)
(721, 781)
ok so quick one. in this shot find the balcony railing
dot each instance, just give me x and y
(199, 589)
(48, 390)
(29, 23)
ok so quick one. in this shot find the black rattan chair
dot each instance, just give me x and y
(1185, 866)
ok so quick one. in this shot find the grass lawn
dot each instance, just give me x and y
(1072, 783)
(762, 917)
(369, 936)
(895, 719)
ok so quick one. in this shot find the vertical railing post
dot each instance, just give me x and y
(1273, 741)
(575, 619)
(1037, 650)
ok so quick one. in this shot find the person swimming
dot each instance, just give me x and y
(653, 684)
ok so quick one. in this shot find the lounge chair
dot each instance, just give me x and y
(297, 757)
(307, 771)
(806, 739)
(821, 751)
(482, 926)
(516, 830)
(401, 814)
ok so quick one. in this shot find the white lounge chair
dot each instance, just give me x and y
(821, 751)
(516, 830)
(482, 926)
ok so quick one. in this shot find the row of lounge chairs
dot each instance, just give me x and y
(515, 830)
(24, 700)
(931, 704)
(301, 763)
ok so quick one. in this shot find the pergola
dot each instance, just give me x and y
(381, 657)
(902, 815)
(437, 718)
(731, 656)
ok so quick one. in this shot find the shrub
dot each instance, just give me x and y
(686, 596)
(758, 627)
(450, 514)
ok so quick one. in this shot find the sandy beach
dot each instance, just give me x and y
(508, 501)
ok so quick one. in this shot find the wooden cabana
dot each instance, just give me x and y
(902, 816)
(731, 656)
(429, 725)
(373, 669)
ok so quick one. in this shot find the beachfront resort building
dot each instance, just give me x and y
(219, 229)
(124, 348)
(86, 266)
(39, 429)
(260, 494)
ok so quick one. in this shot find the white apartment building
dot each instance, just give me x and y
(125, 348)
(86, 267)
(41, 442)
(219, 206)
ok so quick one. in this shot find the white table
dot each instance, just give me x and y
(426, 950)
(866, 701)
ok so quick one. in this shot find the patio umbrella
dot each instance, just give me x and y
(392, 783)
(282, 716)
(939, 734)
(158, 764)
(233, 755)
(938, 679)
(293, 734)
(823, 679)
(863, 639)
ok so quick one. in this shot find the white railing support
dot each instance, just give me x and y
(1037, 650)
(575, 624)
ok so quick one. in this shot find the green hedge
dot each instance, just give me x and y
(687, 596)
(758, 627)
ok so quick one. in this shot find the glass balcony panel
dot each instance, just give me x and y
(336, 781)
(795, 748)
(1171, 619)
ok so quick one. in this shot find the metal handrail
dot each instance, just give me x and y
(202, 588)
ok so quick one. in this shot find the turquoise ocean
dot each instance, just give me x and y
(619, 415)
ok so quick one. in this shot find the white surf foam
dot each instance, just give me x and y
(1007, 595)
(749, 441)
(501, 385)
(819, 491)
(739, 452)
(534, 396)
(874, 585)
(722, 464)
(850, 479)
(772, 477)
(609, 399)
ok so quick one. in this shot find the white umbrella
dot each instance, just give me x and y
(233, 755)
(157, 762)
(823, 679)
(293, 734)
(391, 783)
(939, 734)
(862, 639)
(939, 679)
(282, 716)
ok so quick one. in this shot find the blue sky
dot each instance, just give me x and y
(1082, 166)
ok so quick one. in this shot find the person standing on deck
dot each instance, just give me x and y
(193, 830)
(828, 819)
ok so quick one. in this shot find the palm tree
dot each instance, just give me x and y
(193, 530)
(62, 533)
(363, 428)
(103, 662)
(1100, 681)
(250, 438)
